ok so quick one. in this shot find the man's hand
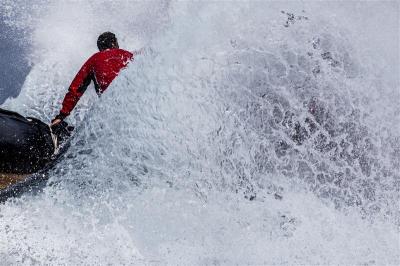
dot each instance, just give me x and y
(55, 121)
(58, 119)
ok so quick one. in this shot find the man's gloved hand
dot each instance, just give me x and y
(61, 130)
(57, 120)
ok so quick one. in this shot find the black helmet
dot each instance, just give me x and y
(107, 40)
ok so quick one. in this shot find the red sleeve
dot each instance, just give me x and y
(77, 88)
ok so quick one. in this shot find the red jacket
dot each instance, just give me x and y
(102, 68)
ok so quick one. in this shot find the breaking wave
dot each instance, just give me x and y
(245, 133)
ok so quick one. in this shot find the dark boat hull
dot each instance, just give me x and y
(29, 148)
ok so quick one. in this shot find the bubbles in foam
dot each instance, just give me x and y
(231, 142)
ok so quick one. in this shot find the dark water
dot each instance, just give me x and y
(14, 65)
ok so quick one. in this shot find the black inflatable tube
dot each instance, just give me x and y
(28, 149)
(26, 144)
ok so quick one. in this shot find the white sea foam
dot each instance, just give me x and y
(233, 140)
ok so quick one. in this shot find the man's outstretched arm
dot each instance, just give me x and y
(75, 92)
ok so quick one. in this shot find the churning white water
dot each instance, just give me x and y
(246, 133)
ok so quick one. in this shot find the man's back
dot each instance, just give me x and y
(107, 64)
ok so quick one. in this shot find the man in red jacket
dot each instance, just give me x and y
(101, 68)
